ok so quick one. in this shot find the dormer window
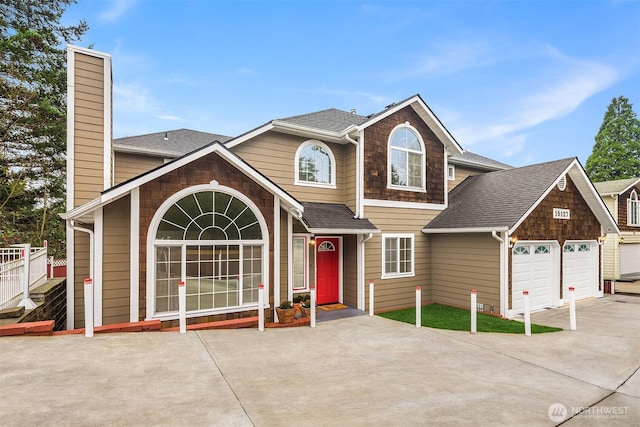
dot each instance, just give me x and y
(406, 159)
(315, 165)
(633, 209)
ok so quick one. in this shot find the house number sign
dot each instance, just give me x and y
(559, 213)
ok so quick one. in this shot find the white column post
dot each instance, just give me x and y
(474, 311)
(527, 313)
(26, 302)
(418, 306)
(88, 307)
(370, 298)
(313, 306)
(51, 262)
(613, 287)
(261, 307)
(182, 306)
(572, 308)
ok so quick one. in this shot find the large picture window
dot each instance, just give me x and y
(300, 262)
(315, 165)
(397, 255)
(213, 241)
(406, 159)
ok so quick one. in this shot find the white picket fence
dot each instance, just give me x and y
(12, 272)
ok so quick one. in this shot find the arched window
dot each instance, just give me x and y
(315, 165)
(633, 209)
(406, 163)
(215, 241)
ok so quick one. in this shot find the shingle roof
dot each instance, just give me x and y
(332, 120)
(473, 159)
(615, 187)
(172, 143)
(498, 199)
(332, 216)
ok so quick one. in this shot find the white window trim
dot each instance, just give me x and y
(413, 264)
(332, 177)
(152, 242)
(307, 240)
(633, 200)
(423, 188)
(451, 172)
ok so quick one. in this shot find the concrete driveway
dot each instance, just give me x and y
(356, 371)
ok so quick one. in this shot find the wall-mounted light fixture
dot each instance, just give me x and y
(512, 241)
(620, 239)
(601, 239)
(312, 241)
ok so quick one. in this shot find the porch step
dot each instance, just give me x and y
(245, 322)
(11, 313)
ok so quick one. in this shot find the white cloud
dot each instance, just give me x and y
(451, 57)
(542, 99)
(116, 9)
(171, 118)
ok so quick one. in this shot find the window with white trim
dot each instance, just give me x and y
(213, 241)
(397, 255)
(300, 262)
(633, 209)
(406, 163)
(315, 165)
(451, 173)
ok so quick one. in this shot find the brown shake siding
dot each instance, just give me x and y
(201, 171)
(623, 207)
(88, 127)
(115, 273)
(462, 262)
(376, 161)
(540, 224)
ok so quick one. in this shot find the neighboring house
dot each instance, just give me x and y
(332, 199)
(622, 253)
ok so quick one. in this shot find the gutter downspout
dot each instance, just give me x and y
(503, 271)
(72, 226)
(360, 272)
(358, 179)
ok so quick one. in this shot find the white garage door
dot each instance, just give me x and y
(629, 258)
(533, 270)
(580, 269)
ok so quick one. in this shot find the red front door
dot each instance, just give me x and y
(327, 270)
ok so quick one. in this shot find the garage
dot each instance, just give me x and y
(535, 268)
(629, 258)
(580, 269)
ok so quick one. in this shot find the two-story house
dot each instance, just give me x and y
(332, 199)
(622, 253)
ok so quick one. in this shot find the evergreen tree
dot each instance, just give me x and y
(616, 153)
(33, 119)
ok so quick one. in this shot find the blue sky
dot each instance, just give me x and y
(518, 81)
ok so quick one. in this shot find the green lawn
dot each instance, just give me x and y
(457, 319)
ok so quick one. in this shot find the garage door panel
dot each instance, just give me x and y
(630, 258)
(580, 269)
(533, 271)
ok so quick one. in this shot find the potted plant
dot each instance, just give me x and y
(305, 307)
(286, 312)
